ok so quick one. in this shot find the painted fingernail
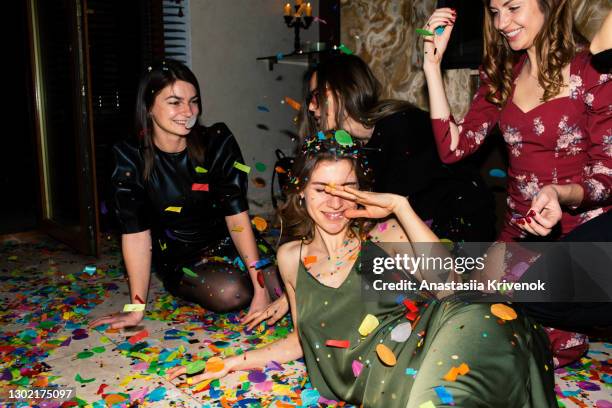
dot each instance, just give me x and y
(528, 220)
(531, 213)
(521, 221)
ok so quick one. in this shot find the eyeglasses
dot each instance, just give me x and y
(313, 98)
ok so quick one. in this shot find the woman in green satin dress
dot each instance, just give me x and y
(371, 352)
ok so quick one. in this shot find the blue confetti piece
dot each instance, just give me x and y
(400, 299)
(571, 393)
(411, 371)
(238, 262)
(499, 173)
(157, 394)
(444, 395)
(310, 397)
(262, 108)
(90, 269)
(439, 30)
(280, 56)
(321, 135)
(262, 262)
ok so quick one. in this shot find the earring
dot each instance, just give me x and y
(301, 202)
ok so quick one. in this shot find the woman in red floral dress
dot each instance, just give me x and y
(552, 107)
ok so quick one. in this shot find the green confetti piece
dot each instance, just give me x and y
(189, 273)
(200, 170)
(263, 248)
(343, 138)
(84, 354)
(196, 367)
(242, 167)
(345, 49)
(47, 324)
(260, 166)
(24, 381)
(99, 349)
(83, 380)
(141, 356)
(424, 33)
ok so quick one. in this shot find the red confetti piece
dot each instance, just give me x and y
(138, 336)
(101, 389)
(138, 299)
(260, 279)
(338, 343)
(199, 187)
(412, 316)
(310, 260)
(410, 305)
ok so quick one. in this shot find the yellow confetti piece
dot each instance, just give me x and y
(386, 355)
(427, 404)
(369, 323)
(237, 228)
(104, 340)
(200, 170)
(174, 209)
(260, 224)
(201, 385)
(134, 307)
(242, 167)
(502, 311)
(142, 356)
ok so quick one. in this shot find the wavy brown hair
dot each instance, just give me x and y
(297, 223)
(556, 46)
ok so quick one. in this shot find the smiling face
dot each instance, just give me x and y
(518, 21)
(326, 210)
(175, 110)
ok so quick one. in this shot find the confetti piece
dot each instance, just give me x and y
(309, 260)
(138, 336)
(259, 182)
(134, 307)
(214, 364)
(439, 30)
(463, 369)
(321, 135)
(444, 395)
(260, 224)
(112, 399)
(428, 404)
(260, 280)
(101, 389)
(199, 187)
(138, 299)
(357, 367)
(293, 103)
(401, 332)
(503, 312)
(346, 50)
(262, 263)
(369, 323)
(189, 273)
(343, 138)
(424, 33)
(410, 305)
(257, 376)
(260, 166)
(263, 108)
(174, 209)
(242, 167)
(382, 227)
(157, 394)
(451, 375)
(90, 269)
(338, 343)
(84, 354)
(411, 371)
(386, 355)
(200, 170)
(320, 20)
(83, 380)
(498, 173)
(280, 170)
(195, 367)
(237, 228)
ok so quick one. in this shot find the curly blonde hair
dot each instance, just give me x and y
(556, 45)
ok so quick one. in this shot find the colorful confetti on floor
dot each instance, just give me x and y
(49, 293)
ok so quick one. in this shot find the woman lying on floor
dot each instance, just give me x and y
(180, 196)
(480, 360)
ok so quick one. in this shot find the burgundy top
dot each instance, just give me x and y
(562, 141)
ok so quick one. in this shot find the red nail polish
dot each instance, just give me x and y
(528, 220)
(521, 221)
(531, 213)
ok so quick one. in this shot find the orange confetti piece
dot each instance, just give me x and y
(214, 349)
(452, 374)
(338, 343)
(463, 369)
(386, 355)
(224, 403)
(281, 404)
(503, 312)
(293, 103)
(112, 399)
(260, 224)
(309, 260)
(214, 364)
(138, 336)
(280, 170)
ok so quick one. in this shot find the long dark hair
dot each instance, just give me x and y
(556, 45)
(356, 91)
(297, 223)
(157, 77)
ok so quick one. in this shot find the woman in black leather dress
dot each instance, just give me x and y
(180, 196)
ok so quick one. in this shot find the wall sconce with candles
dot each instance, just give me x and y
(297, 17)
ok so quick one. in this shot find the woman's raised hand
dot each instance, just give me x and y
(375, 205)
(118, 320)
(435, 46)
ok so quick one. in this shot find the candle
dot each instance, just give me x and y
(287, 9)
(308, 10)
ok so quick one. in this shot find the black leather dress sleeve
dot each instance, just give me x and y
(129, 194)
(228, 184)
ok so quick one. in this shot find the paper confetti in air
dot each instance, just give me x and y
(343, 138)
(498, 173)
(385, 354)
(242, 167)
(90, 269)
(199, 187)
(503, 312)
(263, 108)
(189, 273)
(346, 50)
(134, 307)
(369, 323)
(200, 170)
(260, 166)
(174, 209)
(293, 103)
(260, 224)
